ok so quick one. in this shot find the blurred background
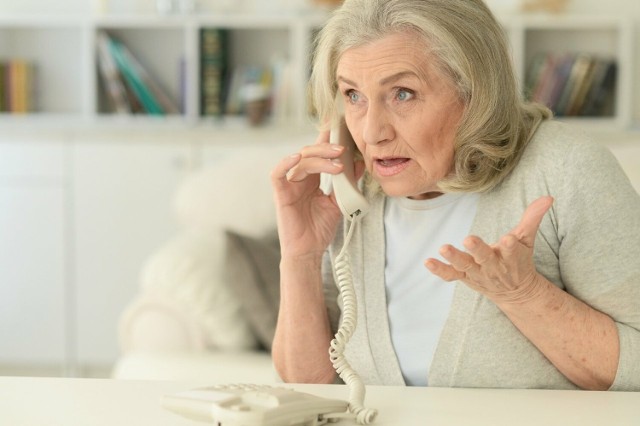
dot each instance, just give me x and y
(136, 137)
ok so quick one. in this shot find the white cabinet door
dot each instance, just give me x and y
(123, 211)
(33, 303)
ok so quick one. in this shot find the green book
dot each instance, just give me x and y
(134, 80)
(213, 69)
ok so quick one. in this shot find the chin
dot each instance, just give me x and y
(399, 191)
(408, 186)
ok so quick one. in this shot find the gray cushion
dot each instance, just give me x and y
(252, 272)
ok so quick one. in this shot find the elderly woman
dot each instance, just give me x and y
(501, 249)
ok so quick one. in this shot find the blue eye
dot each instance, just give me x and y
(403, 95)
(352, 96)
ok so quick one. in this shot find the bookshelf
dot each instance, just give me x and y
(69, 84)
(604, 38)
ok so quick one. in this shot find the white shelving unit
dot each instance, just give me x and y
(64, 51)
(67, 78)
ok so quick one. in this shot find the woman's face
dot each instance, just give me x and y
(402, 113)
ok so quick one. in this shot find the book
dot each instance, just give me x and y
(599, 100)
(580, 91)
(158, 92)
(533, 74)
(112, 80)
(578, 72)
(133, 79)
(544, 79)
(561, 76)
(19, 86)
(213, 69)
(3, 87)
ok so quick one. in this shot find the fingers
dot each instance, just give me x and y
(481, 252)
(279, 173)
(526, 230)
(459, 260)
(319, 158)
(444, 271)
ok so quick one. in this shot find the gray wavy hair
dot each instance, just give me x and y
(470, 49)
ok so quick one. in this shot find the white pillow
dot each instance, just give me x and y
(187, 271)
(235, 194)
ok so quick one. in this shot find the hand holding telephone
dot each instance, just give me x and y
(345, 187)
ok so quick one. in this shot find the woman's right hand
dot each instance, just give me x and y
(307, 218)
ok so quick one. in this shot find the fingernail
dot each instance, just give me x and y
(336, 162)
(337, 147)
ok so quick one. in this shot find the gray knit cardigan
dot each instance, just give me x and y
(588, 244)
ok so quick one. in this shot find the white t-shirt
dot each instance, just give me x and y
(418, 301)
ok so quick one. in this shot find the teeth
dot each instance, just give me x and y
(392, 161)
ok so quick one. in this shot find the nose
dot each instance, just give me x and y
(377, 126)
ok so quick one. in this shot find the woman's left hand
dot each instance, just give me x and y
(504, 272)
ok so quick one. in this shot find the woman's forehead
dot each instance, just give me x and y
(394, 53)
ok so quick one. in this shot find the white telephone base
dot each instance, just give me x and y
(255, 405)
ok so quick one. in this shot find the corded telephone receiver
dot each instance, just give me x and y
(348, 197)
(255, 405)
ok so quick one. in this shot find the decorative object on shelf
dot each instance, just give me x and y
(551, 6)
(256, 101)
(166, 7)
(328, 3)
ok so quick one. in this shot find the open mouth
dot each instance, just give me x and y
(391, 166)
(391, 162)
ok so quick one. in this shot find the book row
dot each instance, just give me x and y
(17, 86)
(130, 88)
(236, 90)
(573, 84)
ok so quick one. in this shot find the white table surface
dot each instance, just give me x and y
(88, 402)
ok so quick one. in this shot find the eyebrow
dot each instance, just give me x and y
(387, 80)
(398, 76)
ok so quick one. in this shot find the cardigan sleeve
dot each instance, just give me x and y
(598, 214)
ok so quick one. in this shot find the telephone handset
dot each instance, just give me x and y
(349, 198)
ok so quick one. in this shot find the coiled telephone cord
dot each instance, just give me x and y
(347, 327)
